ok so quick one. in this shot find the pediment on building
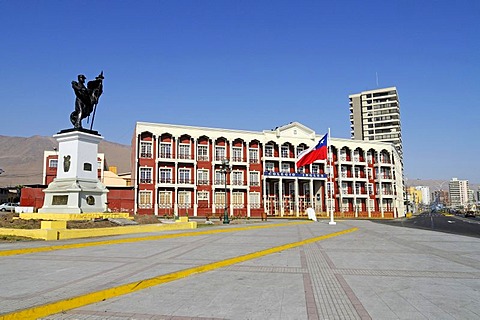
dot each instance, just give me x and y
(294, 129)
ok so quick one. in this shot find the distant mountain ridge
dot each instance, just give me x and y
(435, 185)
(21, 158)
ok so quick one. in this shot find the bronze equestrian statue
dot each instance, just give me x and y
(86, 99)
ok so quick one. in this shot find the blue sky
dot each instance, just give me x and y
(251, 65)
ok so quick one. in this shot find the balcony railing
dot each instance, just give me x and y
(254, 183)
(185, 181)
(346, 175)
(253, 160)
(165, 180)
(202, 158)
(237, 159)
(145, 206)
(166, 155)
(145, 155)
(203, 182)
(238, 183)
(145, 180)
(185, 156)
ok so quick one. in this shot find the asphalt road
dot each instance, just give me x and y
(439, 222)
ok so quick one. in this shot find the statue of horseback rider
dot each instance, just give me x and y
(86, 99)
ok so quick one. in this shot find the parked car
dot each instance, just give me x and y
(470, 214)
(8, 206)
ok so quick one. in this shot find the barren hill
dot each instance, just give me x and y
(21, 158)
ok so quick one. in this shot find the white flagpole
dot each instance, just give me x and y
(330, 174)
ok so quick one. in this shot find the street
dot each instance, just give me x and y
(439, 222)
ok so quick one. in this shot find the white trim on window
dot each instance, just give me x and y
(145, 174)
(145, 199)
(53, 163)
(202, 177)
(146, 149)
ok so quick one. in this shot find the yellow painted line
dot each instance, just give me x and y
(98, 296)
(130, 240)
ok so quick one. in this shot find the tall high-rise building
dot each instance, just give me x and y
(458, 191)
(375, 116)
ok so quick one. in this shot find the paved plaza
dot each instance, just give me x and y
(264, 270)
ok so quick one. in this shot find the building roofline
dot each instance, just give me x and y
(373, 91)
(179, 126)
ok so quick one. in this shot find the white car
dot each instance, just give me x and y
(8, 206)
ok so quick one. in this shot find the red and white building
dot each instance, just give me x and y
(178, 170)
(119, 197)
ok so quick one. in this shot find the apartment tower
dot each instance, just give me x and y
(458, 191)
(375, 116)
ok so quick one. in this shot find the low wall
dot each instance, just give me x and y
(24, 209)
(54, 230)
(74, 216)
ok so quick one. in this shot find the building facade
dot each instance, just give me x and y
(425, 191)
(375, 116)
(178, 170)
(440, 197)
(458, 192)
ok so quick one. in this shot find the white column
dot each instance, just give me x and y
(280, 196)
(312, 194)
(297, 192)
(194, 177)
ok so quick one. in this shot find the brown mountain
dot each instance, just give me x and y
(21, 158)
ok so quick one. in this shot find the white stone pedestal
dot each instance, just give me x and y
(76, 189)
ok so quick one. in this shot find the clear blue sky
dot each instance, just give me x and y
(250, 65)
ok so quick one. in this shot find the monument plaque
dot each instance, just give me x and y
(59, 200)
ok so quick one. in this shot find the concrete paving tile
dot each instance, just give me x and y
(377, 272)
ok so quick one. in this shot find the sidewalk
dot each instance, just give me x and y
(375, 272)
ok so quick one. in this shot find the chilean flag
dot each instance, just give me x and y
(319, 152)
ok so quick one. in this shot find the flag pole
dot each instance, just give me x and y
(330, 174)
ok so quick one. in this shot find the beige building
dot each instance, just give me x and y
(375, 116)
(458, 191)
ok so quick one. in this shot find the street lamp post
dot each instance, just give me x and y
(225, 170)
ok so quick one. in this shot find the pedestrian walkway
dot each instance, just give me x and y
(352, 270)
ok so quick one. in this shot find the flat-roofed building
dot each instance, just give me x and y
(178, 169)
(458, 192)
(375, 116)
